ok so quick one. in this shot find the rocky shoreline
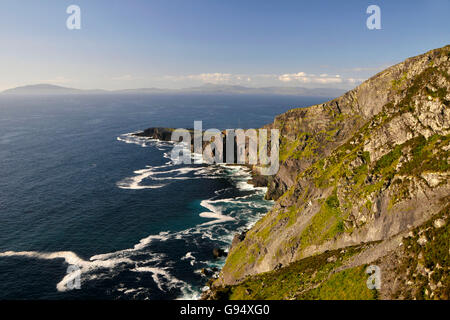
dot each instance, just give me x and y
(165, 134)
(256, 179)
(363, 180)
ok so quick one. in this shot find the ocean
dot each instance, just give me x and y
(77, 189)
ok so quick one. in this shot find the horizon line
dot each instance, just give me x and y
(206, 86)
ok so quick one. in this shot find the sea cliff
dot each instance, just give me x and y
(363, 180)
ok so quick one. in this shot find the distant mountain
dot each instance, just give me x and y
(146, 91)
(48, 89)
(296, 91)
(234, 89)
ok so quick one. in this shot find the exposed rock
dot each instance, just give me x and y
(206, 272)
(239, 237)
(163, 134)
(422, 240)
(408, 271)
(218, 252)
(439, 223)
(435, 178)
(367, 166)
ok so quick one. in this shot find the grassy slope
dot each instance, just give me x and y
(313, 277)
(336, 171)
(422, 272)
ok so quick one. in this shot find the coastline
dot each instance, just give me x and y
(253, 181)
(164, 134)
(145, 257)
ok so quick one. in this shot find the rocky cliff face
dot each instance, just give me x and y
(367, 167)
(411, 266)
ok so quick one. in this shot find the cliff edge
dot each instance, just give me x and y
(366, 168)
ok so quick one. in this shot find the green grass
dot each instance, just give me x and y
(388, 159)
(325, 224)
(427, 155)
(349, 284)
(397, 84)
(303, 146)
(423, 155)
(298, 280)
(434, 256)
(236, 259)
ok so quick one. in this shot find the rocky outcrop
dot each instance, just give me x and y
(362, 168)
(411, 265)
(309, 134)
(163, 134)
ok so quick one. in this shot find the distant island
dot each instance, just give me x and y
(49, 89)
(46, 89)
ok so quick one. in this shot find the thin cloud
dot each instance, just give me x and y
(57, 80)
(367, 69)
(297, 78)
(216, 78)
(126, 77)
(303, 77)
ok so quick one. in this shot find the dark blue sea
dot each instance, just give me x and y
(77, 189)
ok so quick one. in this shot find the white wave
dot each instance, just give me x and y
(189, 294)
(135, 182)
(161, 277)
(133, 291)
(144, 142)
(213, 213)
(162, 236)
(70, 258)
(133, 185)
(161, 145)
(221, 191)
(104, 261)
(190, 257)
(241, 176)
(154, 173)
(100, 261)
(143, 243)
(130, 138)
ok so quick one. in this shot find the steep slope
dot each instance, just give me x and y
(366, 167)
(416, 268)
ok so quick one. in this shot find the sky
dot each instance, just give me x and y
(184, 43)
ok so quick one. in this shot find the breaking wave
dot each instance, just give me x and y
(224, 214)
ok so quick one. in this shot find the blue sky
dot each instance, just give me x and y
(175, 44)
